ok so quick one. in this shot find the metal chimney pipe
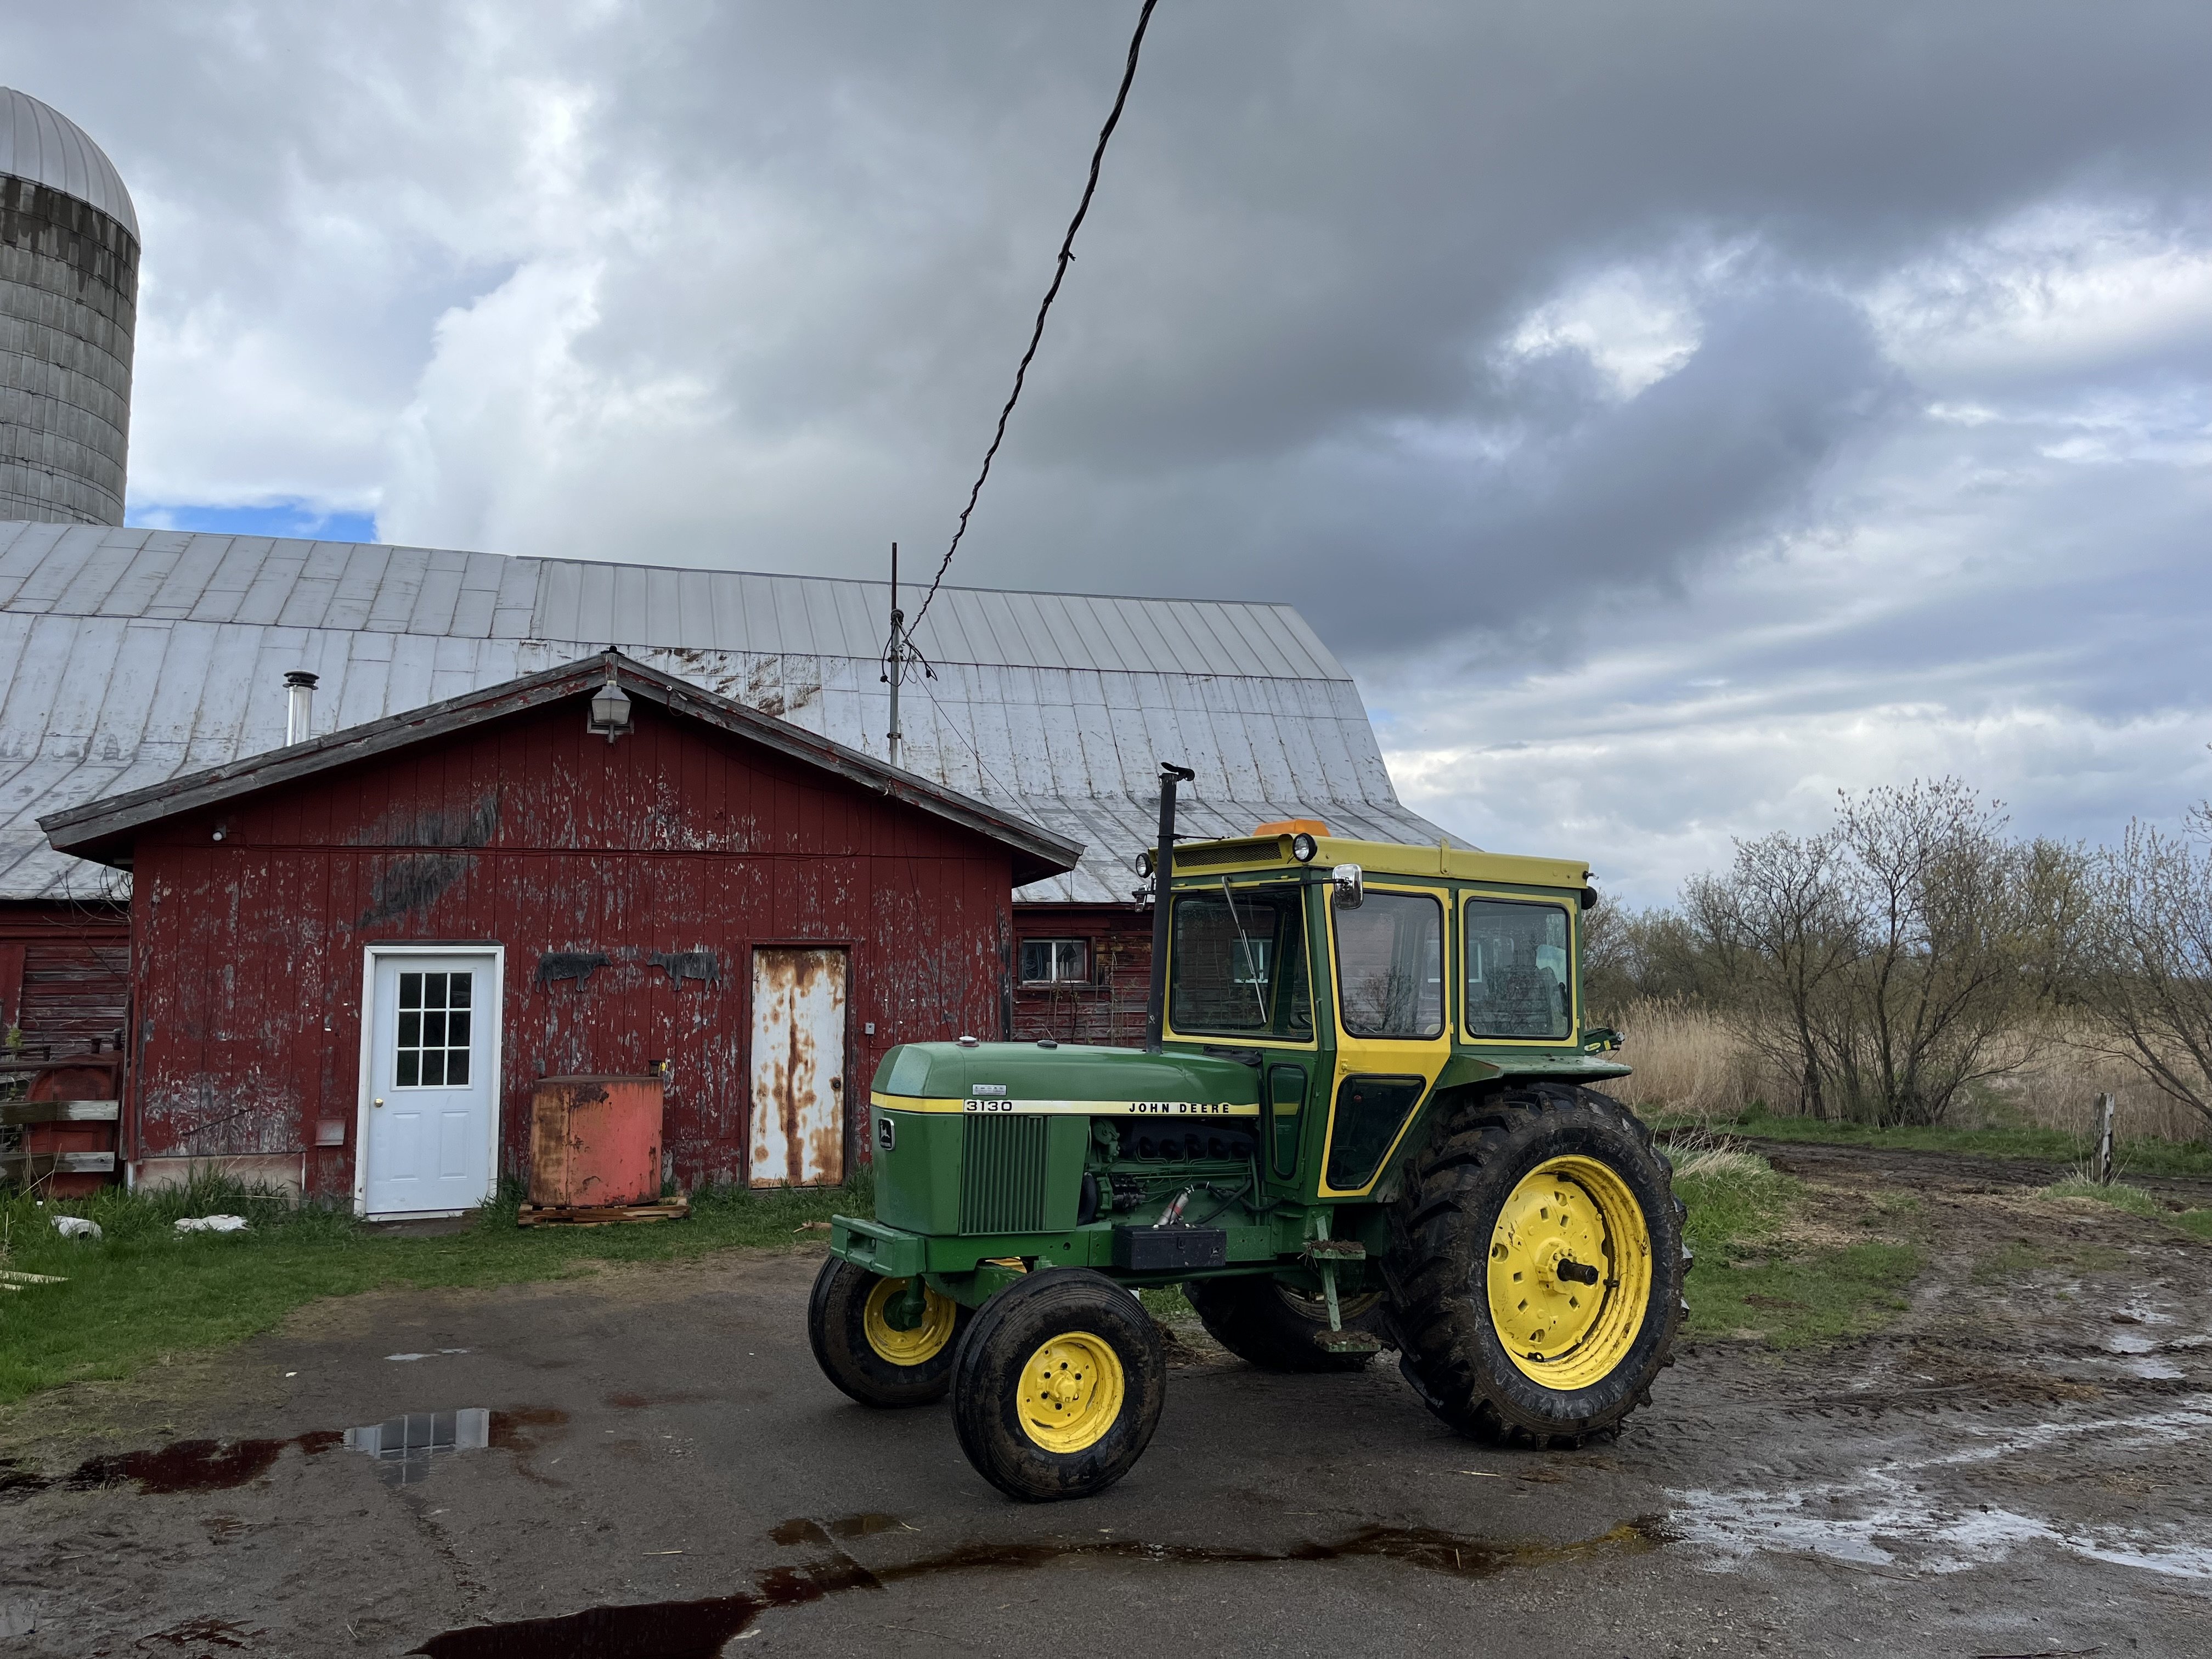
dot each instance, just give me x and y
(299, 706)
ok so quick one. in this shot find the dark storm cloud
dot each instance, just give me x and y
(1824, 386)
(1316, 220)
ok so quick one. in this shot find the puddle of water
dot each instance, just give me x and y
(407, 1358)
(403, 1446)
(698, 1629)
(1878, 1517)
(799, 1529)
(2154, 1371)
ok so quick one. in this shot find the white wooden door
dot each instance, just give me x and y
(799, 1068)
(432, 1123)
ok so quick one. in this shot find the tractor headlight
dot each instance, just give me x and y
(1143, 863)
(1303, 847)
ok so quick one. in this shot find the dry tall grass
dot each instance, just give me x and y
(1688, 1060)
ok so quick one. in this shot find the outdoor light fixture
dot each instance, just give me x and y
(1303, 847)
(610, 709)
(1143, 863)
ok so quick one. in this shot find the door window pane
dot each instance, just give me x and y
(1517, 984)
(432, 1050)
(1390, 966)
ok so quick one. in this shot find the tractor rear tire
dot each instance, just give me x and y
(1264, 1322)
(1536, 1266)
(1057, 1385)
(860, 1349)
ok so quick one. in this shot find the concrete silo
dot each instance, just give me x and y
(69, 304)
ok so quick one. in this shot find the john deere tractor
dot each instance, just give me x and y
(1363, 1118)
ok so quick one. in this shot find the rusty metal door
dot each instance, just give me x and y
(799, 1068)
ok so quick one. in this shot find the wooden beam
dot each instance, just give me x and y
(62, 1162)
(60, 1111)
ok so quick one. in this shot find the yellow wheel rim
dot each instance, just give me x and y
(1071, 1392)
(1566, 1218)
(919, 1345)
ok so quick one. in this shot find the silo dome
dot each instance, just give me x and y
(68, 305)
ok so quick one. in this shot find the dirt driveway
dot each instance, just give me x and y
(645, 1465)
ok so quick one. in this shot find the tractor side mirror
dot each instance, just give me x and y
(1349, 884)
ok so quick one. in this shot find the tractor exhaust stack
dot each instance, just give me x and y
(1155, 1006)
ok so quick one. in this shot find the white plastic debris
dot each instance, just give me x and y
(212, 1224)
(75, 1226)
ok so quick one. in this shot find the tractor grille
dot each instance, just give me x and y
(1002, 1173)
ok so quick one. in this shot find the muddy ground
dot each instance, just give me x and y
(2019, 1465)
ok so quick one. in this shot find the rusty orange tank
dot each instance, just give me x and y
(595, 1141)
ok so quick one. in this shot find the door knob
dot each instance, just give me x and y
(378, 1101)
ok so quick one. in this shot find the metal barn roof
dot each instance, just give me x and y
(106, 829)
(134, 656)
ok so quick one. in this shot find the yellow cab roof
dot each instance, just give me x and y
(1379, 858)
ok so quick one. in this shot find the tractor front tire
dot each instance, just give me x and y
(1058, 1384)
(1266, 1323)
(863, 1353)
(1536, 1266)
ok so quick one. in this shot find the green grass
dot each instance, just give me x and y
(143, 1291)
(1167, 1304)
(2052, 1145)
(1748, 1285)
(2121, 1196)
(2135, 1201)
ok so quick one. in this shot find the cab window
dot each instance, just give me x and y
(1237, 964)
(1517, 983)
(1390, 966)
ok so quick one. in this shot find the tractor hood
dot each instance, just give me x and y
(1024, 1076)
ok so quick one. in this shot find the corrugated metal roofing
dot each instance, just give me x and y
(133, 656)
(41, 143)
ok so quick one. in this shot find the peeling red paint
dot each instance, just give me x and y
(680, 838)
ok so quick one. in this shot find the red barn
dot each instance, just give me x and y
(352, 957)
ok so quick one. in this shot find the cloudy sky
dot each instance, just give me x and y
(1672, 413)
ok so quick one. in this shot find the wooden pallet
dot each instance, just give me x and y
(601, 1215)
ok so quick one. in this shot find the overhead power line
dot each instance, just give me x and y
(1036, 334)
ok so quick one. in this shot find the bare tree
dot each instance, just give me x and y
(2143, 958)
(1631, 955)
(1778, 930)
(1889, 964)
(1948, 917)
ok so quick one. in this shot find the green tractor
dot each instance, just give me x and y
(1362, 1119)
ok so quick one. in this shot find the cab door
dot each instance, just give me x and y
(1393, 1030)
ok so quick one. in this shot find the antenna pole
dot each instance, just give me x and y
(898, 657)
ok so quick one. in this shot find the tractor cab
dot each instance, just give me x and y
(1358, 978)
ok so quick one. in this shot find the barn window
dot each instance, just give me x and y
(433, 1050)
(1056, 961)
